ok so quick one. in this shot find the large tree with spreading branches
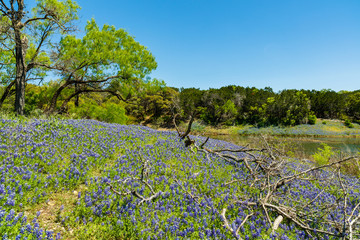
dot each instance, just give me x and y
(25, 38)
(104, 60)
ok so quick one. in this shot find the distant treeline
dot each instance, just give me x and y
(233, 105)
(155, 103)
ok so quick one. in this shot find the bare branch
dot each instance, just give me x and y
(243, 222)
(176, 127)
(4, 5)
(36, 19)
(227, 225)
(188, 127)
(143, 199)
(203, 144)
(186, 133)
(37, 51)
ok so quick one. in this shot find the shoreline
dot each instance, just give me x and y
(236, 131)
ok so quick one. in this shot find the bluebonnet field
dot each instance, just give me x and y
(84, 179)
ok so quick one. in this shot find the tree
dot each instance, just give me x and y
(103, 60)
(256, 105)
(189, 101)
(326, 103)
(219, 105)
(153, 103)
(292, 107)
(229, 113)
(352, 106)
(25, 38)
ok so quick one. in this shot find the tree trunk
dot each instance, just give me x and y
(67, 100)
(20, 79)
(53, 100)
(77, 96)
(6, 92)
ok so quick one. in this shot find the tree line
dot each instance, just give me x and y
(152, 102)
(232, 105)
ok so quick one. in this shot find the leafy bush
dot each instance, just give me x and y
(312, 119)
(348, 124)
(323, 155)
(106, 112)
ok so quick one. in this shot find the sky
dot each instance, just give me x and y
(282, 44)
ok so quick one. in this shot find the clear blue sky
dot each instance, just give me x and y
(283, 44)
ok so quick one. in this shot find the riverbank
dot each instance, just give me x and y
(300, 141)
(323, 128)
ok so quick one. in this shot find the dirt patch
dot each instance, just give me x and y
(51, 211)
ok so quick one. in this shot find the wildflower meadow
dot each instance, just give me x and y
(84, 179)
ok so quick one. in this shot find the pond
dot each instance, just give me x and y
(301, 147)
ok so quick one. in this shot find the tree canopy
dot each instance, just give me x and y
(101, 61)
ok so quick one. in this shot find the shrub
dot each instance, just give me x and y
(312, 119)
(324, 122)
(323, 155)
(111, 112)
(348, 124)
(106, 112)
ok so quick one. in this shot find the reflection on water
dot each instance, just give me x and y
(301, 146)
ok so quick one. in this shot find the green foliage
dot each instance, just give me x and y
(298, 107)
(323, 155)
(106, 112)
(233, 105)
(7, 71)
(326, 103)
(111, 112)
(106, 52)
(229, 112)
(65, 10)
(104, 60)
(190, 100)
(352, 106)
(312, 119)
(348, 123)
(152, 102)
(258, 115)
(263, 107)
(38, 97)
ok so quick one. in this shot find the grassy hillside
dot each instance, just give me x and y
(84, 179)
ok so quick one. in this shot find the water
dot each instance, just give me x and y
(302, 147)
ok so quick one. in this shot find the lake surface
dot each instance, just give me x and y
(302, 147)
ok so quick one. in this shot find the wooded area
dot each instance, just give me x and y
(233, 105)
(152, 102)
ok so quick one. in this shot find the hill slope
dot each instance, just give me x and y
(83, 179)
